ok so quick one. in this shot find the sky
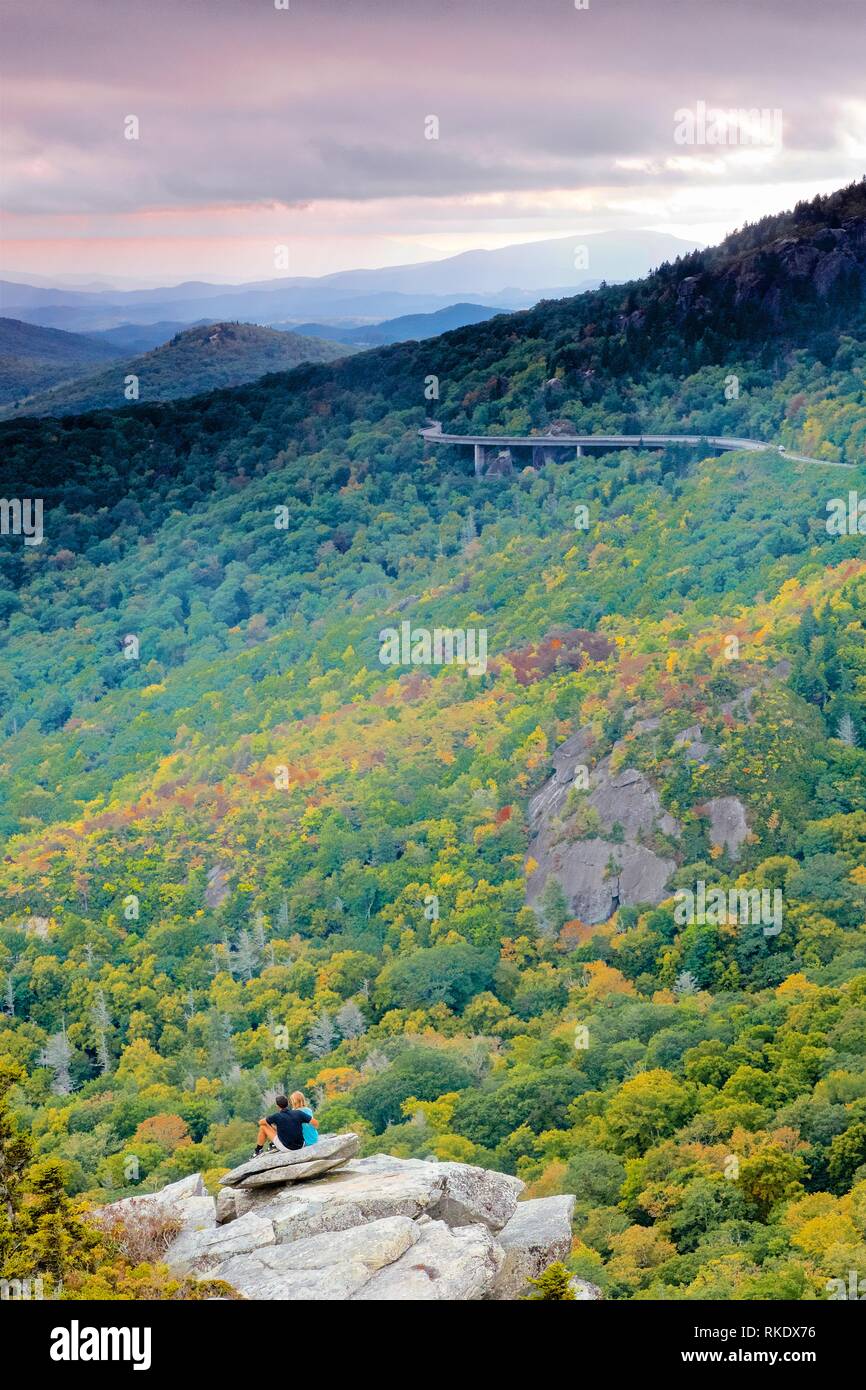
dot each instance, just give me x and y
(302, 140)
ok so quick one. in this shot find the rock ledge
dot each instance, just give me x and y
(323, 1225)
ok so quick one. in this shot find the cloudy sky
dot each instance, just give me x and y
(307, 128)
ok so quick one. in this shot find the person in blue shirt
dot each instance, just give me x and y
(311, 1125)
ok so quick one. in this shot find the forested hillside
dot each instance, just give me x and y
(243, 854)
(196, 360)
(33, 358)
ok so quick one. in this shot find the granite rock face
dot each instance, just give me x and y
(619, 865)
(373, 1229)
(368, 1189)
(538, 1233)
(206, 1247)
(445, 1264)
(334, 1266)
(728, 824)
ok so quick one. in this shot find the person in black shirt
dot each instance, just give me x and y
(288, 1124)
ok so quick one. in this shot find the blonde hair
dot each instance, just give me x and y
(298, 1100)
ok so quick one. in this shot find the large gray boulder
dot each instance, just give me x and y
(369, 1189)
(203, 1248)
(470, 1194)
(191, 1186)
(352, 1196)
(443, 1265)
(324, 1268)
(174, 1195)
(294, 1165)
(538, 1233)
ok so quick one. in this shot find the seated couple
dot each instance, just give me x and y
(288, 1128)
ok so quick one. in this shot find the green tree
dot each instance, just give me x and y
(55, 1237)
(422, 1072)
(847, 1153)
(554, 906)
(15, 1152)
(771, 1176)
(553, 1285)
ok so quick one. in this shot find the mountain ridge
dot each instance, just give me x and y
(415, 288)
(245, 854)
(193, 361)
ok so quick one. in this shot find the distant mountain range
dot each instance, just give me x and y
(199, 359)
(406, 328)
(512, 277)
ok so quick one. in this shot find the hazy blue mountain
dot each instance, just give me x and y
(403, 329)
(612, 256)
(254, 305)
(516, 276)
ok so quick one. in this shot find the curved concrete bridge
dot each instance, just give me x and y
(544, 445)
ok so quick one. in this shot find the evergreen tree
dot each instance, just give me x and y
(15, 1151)
(554, 907)
(55, 1238)
(552, 1286)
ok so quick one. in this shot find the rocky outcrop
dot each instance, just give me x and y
(597, 873)
(185, 1201)
(217, 889)
(368, 1189)
(378, 1228)
(692, 739)
(294, 1165)
(798, 282)
(444, 1265)
(212, 1245)
(538, 1233)
(627, 798)
(331, 1267)
(728, 824)
(392, 1259)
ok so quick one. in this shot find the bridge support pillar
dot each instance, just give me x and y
(580, 451)
(480, 459)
